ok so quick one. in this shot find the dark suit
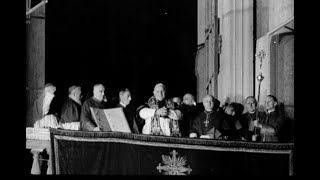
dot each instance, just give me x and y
(275, 120)
(189, 114)
(245, 121)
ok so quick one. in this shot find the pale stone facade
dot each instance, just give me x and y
(246, 27)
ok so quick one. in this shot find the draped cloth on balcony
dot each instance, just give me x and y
(117, 153)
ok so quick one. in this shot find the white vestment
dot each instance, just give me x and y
(165, 122)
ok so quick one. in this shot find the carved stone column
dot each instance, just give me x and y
(49, 170)
(35, 165)
(235, 79)
(35, 60)
(207, 56)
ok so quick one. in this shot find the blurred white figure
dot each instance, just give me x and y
(46, 120)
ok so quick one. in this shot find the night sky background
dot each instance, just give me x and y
(131, 44)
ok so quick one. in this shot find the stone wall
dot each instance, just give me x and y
(270, 15)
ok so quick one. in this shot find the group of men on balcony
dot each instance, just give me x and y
(164, 116)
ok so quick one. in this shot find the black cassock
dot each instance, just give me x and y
(87, 123)
(205, 121)
(70, 111)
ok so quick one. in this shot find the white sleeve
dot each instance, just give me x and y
(47, 121)
(146, 113)
(71, 125)
(147, 127)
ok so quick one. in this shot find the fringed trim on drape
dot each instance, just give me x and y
(176, 140)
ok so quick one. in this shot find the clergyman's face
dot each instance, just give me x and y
(176, 100)
(270, 103)
(50, 89)
(125, 98)
(159, 92)
(208, 103)
(98, 92)
(77, 94)
(251, 105)
(188, 100)
(230, 110)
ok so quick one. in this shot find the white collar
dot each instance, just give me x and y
(74, 99)
(123, 104)
(270, 111)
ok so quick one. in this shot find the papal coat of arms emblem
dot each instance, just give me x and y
(174, 165)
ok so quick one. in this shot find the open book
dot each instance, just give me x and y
(112, 119)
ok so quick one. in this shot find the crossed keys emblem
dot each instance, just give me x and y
(174, 165)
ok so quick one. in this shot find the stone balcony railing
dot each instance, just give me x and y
(38, 140)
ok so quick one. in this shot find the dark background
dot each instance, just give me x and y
(131, 44)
